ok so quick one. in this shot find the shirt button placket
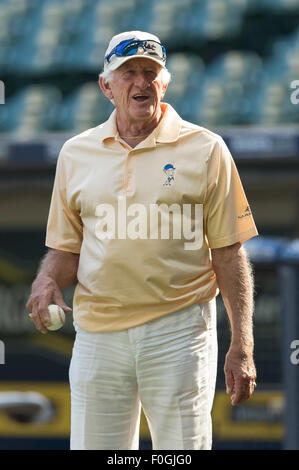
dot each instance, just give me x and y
(130, 175)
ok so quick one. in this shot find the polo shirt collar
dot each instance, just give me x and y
(168, 130)
(109, 128)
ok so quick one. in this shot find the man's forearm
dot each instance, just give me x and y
(60, 266)
(235, 281)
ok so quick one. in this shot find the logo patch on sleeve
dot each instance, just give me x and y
(246, 213)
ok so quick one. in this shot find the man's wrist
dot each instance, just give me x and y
(242, 348)
(46, 278)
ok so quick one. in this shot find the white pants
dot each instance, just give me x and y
(167, 366)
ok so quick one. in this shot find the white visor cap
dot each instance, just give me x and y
(116, 61)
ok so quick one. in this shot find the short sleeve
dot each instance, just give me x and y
(64, 226)
(227, 215)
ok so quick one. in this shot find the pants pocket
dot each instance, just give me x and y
(205, 314)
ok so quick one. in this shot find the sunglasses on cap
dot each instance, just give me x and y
(132, 47)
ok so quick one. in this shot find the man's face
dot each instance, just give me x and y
(137, 89)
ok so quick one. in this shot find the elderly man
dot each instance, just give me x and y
(144, 304)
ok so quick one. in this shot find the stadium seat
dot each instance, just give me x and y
(214, 19)
(284, 60)
(84, 108)
(187, 72)
(5, 18)
(96, 25)
(210, 106)
(28, 112)
(236, 74)
(236, 66)
(268, 103)
(168, 17)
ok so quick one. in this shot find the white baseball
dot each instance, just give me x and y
(57, 317)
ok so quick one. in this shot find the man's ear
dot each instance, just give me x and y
(105, 87)
(163, 91)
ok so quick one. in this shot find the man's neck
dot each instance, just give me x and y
(135, 132)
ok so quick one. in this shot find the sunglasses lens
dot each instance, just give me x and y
(129, 49)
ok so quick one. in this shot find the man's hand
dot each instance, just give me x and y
(240, 375)
(44, 292)
(57, 271)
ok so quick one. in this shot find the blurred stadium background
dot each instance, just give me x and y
(232, 63)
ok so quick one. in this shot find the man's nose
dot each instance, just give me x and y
(141, 80)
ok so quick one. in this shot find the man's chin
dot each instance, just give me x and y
(142, 114)
(144, 111)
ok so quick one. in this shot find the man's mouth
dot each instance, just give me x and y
(140, 97)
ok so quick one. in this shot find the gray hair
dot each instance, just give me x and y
(107, 76)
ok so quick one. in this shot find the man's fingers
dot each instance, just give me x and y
(40, 316)
(58, 300)
(229, 382)
(64, 307)
(28, 306)
(45, 291)
(244, 388)
(35, 317)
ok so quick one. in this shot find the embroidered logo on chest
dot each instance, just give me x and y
(169, 171)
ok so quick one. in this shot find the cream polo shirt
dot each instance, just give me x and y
(144, 219)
